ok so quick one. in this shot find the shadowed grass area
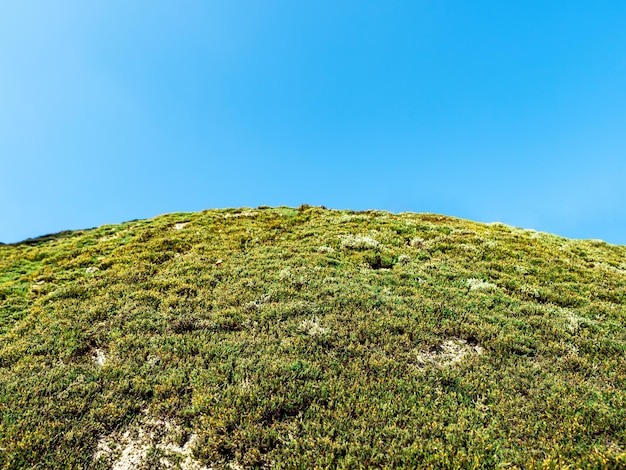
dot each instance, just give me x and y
(312, 338)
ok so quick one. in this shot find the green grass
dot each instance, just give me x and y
(284, 338)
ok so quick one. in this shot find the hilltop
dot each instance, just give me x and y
(312, 338)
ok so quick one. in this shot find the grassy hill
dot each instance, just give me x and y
(312, 338)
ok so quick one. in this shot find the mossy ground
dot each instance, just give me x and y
(291, 338)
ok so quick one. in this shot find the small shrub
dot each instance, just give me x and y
(184, 324)
(377, 261)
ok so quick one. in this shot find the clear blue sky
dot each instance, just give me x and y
(487, 110)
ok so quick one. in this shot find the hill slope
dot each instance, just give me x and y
(309, 338)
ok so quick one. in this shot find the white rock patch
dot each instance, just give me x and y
(180, 225)
(607, 267)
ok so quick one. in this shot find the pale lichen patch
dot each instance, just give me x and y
(521, 269)
(490, 243)
(239, 214)
(418, 242)
(358, 242)
(99, 357)
(621, 269)
(38, 285)
(312, 327)
(448, 353)
(574, 322)
(467, 247)
(479, 284)
(129, 449)
(404, 259)
(530, 291)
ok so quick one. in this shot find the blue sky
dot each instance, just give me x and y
(487, 110)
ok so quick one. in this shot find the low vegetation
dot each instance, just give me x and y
(312, 338)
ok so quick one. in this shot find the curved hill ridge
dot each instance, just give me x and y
(312, 338)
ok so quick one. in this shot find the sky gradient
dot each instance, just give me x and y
(486, 110)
